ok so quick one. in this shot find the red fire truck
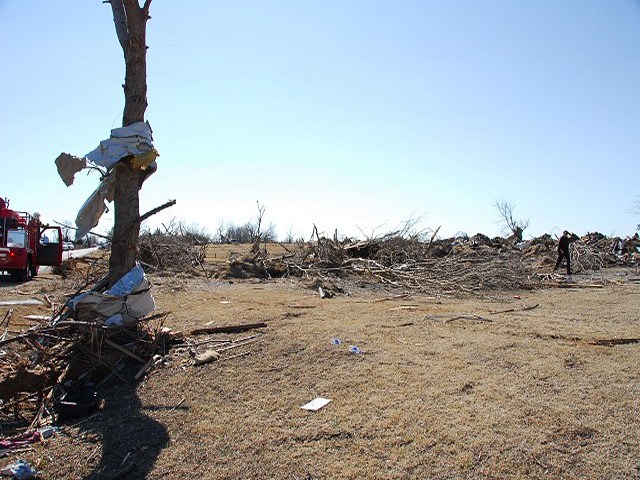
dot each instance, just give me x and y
(25, 243)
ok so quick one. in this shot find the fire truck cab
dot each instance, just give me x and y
(25, 243)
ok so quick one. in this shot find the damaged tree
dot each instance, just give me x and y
(130, 21)
(515, 226)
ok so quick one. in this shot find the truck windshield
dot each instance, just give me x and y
(16, 238)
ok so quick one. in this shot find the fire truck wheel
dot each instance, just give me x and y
(27, 271)
(25, 274)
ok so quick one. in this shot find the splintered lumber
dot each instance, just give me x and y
(144, 369)
(124, 350)
(229, 328)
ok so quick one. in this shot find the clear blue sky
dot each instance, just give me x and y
(349, 114)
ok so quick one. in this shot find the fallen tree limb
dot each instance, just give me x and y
(229, 328)
(450, 318)
(523, 309)
(468, 317)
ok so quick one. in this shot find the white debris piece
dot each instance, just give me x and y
(94, 206)
(315, 404)
(134, 139)
(68, 165)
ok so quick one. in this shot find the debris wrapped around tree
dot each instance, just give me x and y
(128, 300)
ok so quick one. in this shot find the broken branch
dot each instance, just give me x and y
(229, 328)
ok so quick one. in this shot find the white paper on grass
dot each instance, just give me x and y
(315, 404)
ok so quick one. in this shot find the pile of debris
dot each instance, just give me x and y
(454, 265)
(56, 366)
(52, 372)
(173, 251)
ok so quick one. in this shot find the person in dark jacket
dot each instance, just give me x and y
(563, 251)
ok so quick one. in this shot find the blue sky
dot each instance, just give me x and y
(352, 115)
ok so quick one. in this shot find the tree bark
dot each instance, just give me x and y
(130, 21)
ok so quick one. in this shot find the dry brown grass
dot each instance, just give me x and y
(524, 395)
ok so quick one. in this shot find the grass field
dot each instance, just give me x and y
(490, 386)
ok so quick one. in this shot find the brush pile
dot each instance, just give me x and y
(456, 265)
(174, 250)
(54, 368)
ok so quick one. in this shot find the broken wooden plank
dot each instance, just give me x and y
(243, 354)
(30, 301)
(614, 341)
(5, 324)
(143, 370)
(575, 285)
(405, 307)
(237, 345)
(124, 350)
(394, 297)
(37, 317)
(229, 328)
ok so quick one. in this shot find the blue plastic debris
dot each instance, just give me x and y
(20, 470)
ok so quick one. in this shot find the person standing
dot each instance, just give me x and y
(563, 251)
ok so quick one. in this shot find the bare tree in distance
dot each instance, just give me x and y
(252, 231)
(508, 222)
(130, 21)
(256, 235)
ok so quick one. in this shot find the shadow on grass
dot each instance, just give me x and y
(131, 440)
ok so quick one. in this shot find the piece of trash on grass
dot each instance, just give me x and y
(315, 404)
(47, 432)
(404, 307)
(336, 341)
(517, 297)
(20, 470)
(355, 349)
(325, 293)
(76, 401)
(206, 357)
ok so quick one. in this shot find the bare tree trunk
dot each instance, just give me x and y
(130, 21)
